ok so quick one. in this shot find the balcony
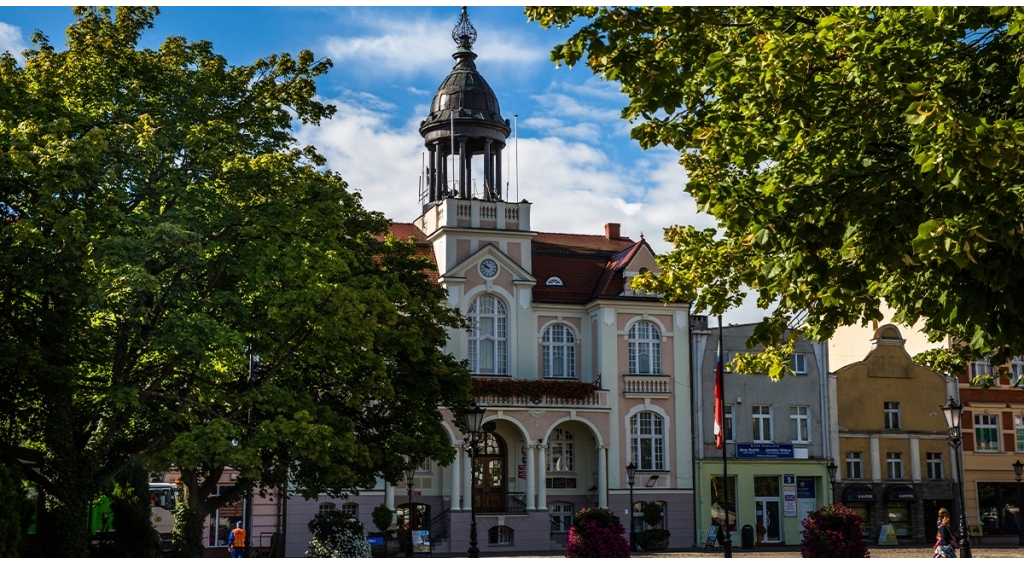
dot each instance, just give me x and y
(514, 392)
(646, 385)
(510, 503)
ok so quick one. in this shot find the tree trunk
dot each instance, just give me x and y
(189, 517)
(68, 519)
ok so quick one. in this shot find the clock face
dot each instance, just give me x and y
(488, 268)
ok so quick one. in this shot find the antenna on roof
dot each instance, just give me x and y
(516, 118)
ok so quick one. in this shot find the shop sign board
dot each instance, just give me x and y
(789, 498)
(763, 450)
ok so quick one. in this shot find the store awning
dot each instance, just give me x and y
(858, 493)
(899, 492)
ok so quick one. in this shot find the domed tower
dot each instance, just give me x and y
(464, 120)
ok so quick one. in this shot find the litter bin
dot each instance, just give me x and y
(748, 536)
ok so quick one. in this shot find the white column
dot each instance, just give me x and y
(456, 476)
(531, 477)
(876, 460)
(915, 459)
(542, 474)
(467, 482)
(602, 477)
(389, 501)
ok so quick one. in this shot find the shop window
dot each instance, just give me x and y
(500, 536)
(898, 513)
(766, 486)
(799, 424)
(561, 447)
(854, 469)
(326, 508)
(762, 422)
(720, 506)
(892, 414)
(894, 465)
(934, 462)
(647, 441)
(559, 352)
(644, 348)
(561, 517)
(986, 433)
(997, 508)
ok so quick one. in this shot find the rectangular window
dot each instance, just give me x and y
(1018, 429)
(799, 424)
(561, 517)
(1017, 372)
(986, 433)
(892, 415)
(762, 417)
(854, 470)
(894, 464)
(798, 362)
(726, 358)
(981, 368)
(728, 424)
(934, 461)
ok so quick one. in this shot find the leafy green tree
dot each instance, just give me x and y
(133, 534)
(15, 511)
(851, 156)
(185, 283)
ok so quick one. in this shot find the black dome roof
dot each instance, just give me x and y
(467, 93)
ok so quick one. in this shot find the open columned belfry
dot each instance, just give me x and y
(464, 122)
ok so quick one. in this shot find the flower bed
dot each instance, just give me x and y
(508, 388)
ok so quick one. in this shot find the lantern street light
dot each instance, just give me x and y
(410, 475)
(474, 415)
(953, 411)
(832, 478)
(1018, 469)
(631, 475)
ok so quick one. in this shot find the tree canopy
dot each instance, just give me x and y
(184, 282)
(851, 156)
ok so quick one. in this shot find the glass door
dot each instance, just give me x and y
(769, 523)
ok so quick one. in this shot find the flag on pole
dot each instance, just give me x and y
(719, 401)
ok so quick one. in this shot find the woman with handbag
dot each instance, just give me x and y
(945, 540)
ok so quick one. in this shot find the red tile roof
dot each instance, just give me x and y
(405, 231)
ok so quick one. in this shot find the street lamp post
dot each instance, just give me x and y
(832, 478)
(1018, 469)
(410, 475)
(953, 410)
(630, 479)
(474, 415)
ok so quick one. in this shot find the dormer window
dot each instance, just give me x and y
(554, 281)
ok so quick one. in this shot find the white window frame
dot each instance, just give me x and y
(730, 424)
(727, 356)
(561, 516)
(488, 307)
(933, 461)
(561, 451)
(854, 461)
(800, 414)
(647, 428)
(424, 467)
(326, 508)
(894, 465)
(891, 411)
(558, 352)
(761, 417)
(1017, 371)
(981, 367)
(644, 340)
(985, 421)
(1018, 431)
(506, 539)
(798, 362)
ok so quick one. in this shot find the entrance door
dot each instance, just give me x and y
(490, 473)
(805, 506)
(769, 521)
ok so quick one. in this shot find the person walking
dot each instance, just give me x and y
(236, 540)
(945, 540)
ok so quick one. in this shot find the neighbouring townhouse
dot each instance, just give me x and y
(895, 464)
(777, 440)
(602, 372)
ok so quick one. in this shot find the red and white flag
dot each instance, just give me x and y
(719, 402)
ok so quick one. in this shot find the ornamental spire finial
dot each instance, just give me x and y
(464, 34)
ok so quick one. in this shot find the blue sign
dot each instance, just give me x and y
(763, 450)
(789, 479)
(805, 487)
(375, 541)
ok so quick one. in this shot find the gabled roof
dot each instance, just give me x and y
(590, 266)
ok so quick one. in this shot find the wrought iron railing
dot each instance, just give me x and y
(505, 503)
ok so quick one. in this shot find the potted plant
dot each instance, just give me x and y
(655, 538)
(387, 546)
(336, 535)
(596, 533)
(761, 532)
(833, 531)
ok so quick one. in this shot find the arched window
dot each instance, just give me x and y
(326, 508)
(554, 281)
(487, 338)
(559, 346)
(562, 451)
(350, 509)
(647, 441)
(644, 348)
(561, 516)
(500, 536)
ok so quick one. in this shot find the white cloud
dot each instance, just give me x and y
(424, 46)
(11, 40)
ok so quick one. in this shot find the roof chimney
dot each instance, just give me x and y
(611, 230)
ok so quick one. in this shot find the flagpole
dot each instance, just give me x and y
(726, 537)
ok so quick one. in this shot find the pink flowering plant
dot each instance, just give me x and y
(833, 531)
(597, 533)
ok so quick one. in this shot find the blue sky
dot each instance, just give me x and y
(577, 163)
